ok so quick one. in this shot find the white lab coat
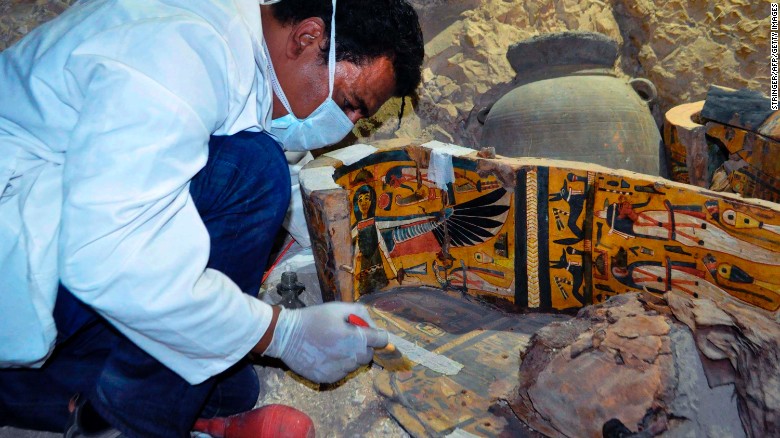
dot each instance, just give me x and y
(105, 116)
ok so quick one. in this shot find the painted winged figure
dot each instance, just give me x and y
(466, 224)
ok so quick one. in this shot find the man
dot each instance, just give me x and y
(140, 191)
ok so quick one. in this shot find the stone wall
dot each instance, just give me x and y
(17, 17)
(683, 46)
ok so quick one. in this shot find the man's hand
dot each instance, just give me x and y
(318, 343)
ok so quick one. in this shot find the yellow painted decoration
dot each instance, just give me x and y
(578, 235)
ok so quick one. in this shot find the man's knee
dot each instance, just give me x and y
(245, 171)
(237, 390)
(264, 167)
(244, 191)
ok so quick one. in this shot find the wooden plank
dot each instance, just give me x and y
(746, 109)
(329, 230)
(686, 145)
(327, 216)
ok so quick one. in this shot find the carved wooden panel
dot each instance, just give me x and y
(542, 233)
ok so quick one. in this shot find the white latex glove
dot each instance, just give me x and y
(319, 344)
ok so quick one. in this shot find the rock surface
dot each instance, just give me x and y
(682, 46)
(677, 366)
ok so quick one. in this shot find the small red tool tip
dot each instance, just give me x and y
(356, 320)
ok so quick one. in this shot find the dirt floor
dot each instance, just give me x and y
(350, 409)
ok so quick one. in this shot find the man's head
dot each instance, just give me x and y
(379, 53)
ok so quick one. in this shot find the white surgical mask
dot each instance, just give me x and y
(326, 125)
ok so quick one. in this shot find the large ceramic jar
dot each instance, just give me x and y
(571, 105)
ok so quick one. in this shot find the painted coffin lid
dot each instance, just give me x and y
(532, 233)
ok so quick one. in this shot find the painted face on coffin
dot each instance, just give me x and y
(364, 203)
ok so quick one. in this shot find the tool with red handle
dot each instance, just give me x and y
(389, 357)
(356, 320)
(399, 354)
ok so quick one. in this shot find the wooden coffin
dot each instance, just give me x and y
(530, 233)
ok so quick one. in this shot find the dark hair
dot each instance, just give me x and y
(367, 30)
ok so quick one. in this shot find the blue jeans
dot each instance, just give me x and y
(242, 195)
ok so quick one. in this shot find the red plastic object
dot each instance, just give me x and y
(356, 320)
(272, 421)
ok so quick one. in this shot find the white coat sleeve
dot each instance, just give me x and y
(132, 244)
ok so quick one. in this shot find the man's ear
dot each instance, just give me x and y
(306, 35)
